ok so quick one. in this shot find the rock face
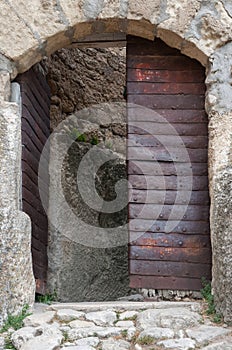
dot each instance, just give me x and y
(200, 29)
(16, 275)
(79, 79)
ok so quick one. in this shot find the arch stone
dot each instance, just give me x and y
(32, 29)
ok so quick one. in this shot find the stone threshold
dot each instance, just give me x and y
(126, 305)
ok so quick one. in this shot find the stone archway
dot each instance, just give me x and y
(36, 28)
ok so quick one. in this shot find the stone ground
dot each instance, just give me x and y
(120, 326)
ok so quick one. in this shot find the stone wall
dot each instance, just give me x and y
(201, 29)
(80, 78)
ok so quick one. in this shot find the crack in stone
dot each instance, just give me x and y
(64, 19)
(227, 11)
(35, 33)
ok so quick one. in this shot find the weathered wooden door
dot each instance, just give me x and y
(172, 85)
(35, 94)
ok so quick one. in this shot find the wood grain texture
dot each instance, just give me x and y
(35, 94)
(167, 165)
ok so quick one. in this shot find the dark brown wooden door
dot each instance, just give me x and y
(35, 94)
(166, 82)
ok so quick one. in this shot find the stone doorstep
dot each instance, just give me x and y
(125, 305)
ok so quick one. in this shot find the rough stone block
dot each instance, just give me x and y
(205, 334)
(178, 318)
(102, 318)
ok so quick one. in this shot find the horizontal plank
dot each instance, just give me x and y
(163, 211)
(169, 197)
(164, 62)
(166, 268)
(182, 183)
(165, 88)
(165, 76)
(166, 129)
(141, 46)
(186, 227)
(174, 240)
(167, 154)
(139, 113)
(167, 141)
(180, 102)
(138, 167)
(192, 255)
(160, 282)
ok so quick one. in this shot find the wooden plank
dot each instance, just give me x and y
(174, 240)
(30, 89)
(172, 140)
(33, 146)
(139, 113)
(39, 219)
(172, 154)
(138, 167)
(40, 234)
(30, 181)
(28, 131)
(40, 256)
(186, 227)
(27, 141)
(31, 123)
(147, 47)
(41, 79)
(37, 244)
(34, 201)
(166, 268)
(140, 88)
(165, 76)
(157, 129)
(34, 111)
(40, 90)
(39, 273)
(169, 197)
(182, 183)
(30, 159)
(192, 255)
(168, 101)
(180, 63)
(160, 282)
(33, 166)
(41, 286)
(163, 211)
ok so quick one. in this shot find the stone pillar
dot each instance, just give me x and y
(17, 286)
(219, 105)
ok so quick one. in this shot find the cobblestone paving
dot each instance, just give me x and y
(121, 326)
